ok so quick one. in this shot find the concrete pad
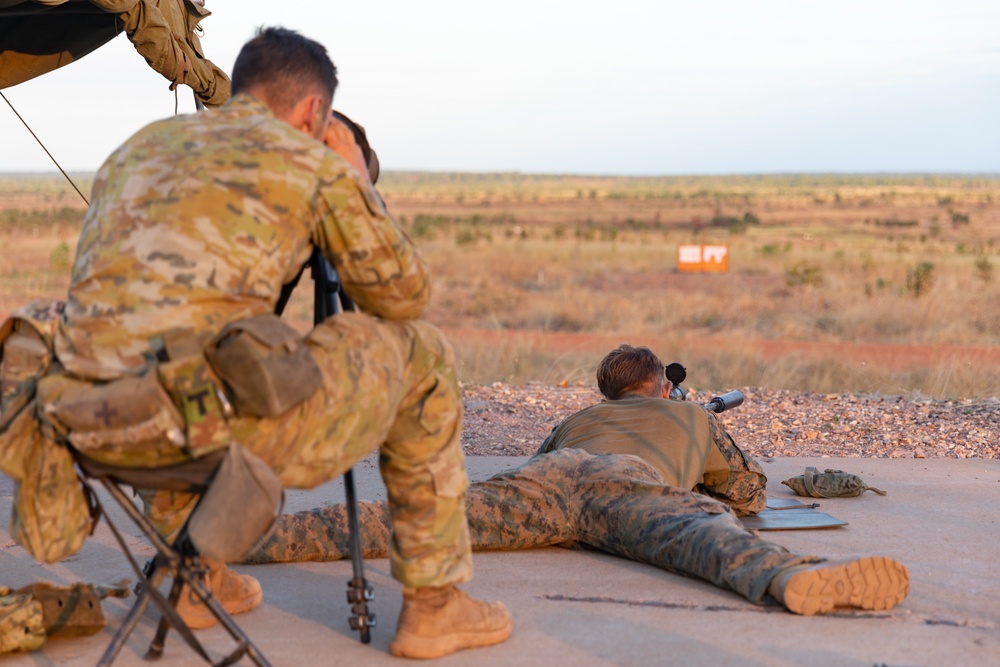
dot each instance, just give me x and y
(577, 607)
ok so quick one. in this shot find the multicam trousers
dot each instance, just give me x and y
(385, 384)
(614, 503)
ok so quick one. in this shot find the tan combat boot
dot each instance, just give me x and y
(873, 583)
(438, 621)
(237, 593)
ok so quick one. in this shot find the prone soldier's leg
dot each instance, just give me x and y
(526, 506)
(323, 534)
(516, 509)
(625, 509)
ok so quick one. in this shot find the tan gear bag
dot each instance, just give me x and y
(239, 508)
(265, 364)
(829, 484)
(126, 422)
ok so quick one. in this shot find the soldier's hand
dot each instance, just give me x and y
(341, 139)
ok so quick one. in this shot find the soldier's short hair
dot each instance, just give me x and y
(628, 368)
(286, 66)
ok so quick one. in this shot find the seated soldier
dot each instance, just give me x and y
(618, 477)
(195, 224)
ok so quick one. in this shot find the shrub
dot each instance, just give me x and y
(920, 278)
(804, 274)
(59, 258)
(984, 268)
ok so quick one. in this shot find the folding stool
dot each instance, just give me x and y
(178, 559)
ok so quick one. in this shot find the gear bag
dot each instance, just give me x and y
(128, 422)
(34, 612)
(829, 484)
(265, 365)
(25, 354)
(51, 516)
(245, 489)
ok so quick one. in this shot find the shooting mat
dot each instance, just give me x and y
(790, 514)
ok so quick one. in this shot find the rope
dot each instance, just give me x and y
(45, 149)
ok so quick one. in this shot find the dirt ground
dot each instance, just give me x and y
(513, 420)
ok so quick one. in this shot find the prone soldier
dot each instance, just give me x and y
(657, 481)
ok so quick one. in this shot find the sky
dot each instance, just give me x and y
(632, 87)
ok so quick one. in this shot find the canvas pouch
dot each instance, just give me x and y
(51, 515)
(25, 353)
(68, 611)
(239, 508)
(126, 422)
(265, 365)
(829, 484)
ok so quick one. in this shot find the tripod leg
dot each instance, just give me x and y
(359, 593)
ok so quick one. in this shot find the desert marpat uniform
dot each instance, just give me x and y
(611, 502)
(618, 503)
(198, 221)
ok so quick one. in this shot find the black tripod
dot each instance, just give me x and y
(328, 300)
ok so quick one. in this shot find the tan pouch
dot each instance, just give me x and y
(239, 508)
(25, 353)
(68, 611)
(127, 422)
(51, 516)
(265, 364)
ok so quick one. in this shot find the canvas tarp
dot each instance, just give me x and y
(38, 36)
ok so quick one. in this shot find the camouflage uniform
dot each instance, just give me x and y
(198, 221)
(611, 499)
(683, 441)
(614, 503)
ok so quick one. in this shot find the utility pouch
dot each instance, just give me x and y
(829, 484)
(25, 353)
(68, 611)
(265, 364)
(126, 422)
(51, 515)
(198, 394)
(239, 508)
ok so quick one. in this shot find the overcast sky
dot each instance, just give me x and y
(628, 87)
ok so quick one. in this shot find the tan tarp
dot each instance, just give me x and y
(38, 36)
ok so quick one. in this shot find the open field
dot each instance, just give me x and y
(875, 283)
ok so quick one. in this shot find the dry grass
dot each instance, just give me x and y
(837, 283)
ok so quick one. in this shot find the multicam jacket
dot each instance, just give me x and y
(683, 441)
(199, 220)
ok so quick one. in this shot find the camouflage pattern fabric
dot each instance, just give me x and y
(198, 221)
(614, 503)
(829, 484)
(21, 626)
(683, 441)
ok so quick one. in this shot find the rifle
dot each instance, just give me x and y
(676, 373)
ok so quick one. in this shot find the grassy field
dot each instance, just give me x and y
(837, 283)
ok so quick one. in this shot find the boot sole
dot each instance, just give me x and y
(872, 583)
(406, 645)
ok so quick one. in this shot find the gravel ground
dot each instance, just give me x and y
(512, 420)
